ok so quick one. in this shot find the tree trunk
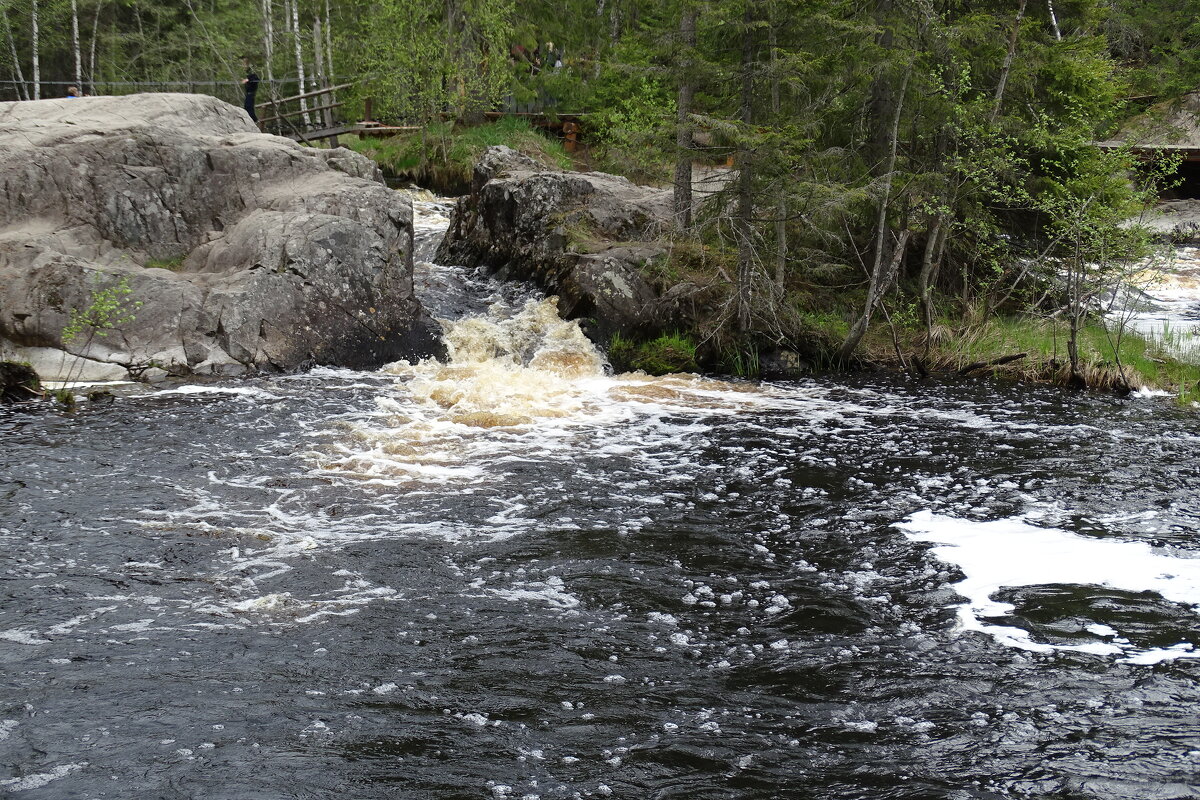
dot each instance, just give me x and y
(295, 15)
(781, 211)
(75, 44)
(1008, 60)
(930, 261)
(329, 48)
(882, 271)
(1054, 20)
(268, 15)
(22, 90)
(321, 77)
(683, 132)
(92, 54)
(37, 65)
(881, 98)
(745, 200)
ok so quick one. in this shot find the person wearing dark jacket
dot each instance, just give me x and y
(250, 83)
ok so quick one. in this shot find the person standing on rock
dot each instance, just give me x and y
(250, 83)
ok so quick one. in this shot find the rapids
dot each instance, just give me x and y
(517, 575)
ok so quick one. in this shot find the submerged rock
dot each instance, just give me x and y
(585, 237)
(170, 234)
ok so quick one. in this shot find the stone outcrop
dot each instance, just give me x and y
(200, 245)
(1176, 221)
(585, 237)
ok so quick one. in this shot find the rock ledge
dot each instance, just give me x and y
(240, 251)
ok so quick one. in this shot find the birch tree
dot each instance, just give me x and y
(75, 44)
(21, 89)
(37, 63)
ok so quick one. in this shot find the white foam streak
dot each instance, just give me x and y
(1011, 553)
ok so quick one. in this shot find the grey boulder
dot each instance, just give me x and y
(588, 238)
(187, 241)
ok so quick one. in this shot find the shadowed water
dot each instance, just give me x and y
(513, 575)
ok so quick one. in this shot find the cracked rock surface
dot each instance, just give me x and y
(240, 251)
(585, 237)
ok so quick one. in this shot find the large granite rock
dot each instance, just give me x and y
(585, 237)
(223, 250)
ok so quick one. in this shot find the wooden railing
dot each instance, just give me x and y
(295, 118)
(306, 123)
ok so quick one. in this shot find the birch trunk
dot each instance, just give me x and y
(322, 78)
(295, 14)
(1054, 21)
(329, 48)
(75, 44)
(1006, 67)
(781, 212)
(268, 13)
(92, 54)
(22, 89)
(37, 66)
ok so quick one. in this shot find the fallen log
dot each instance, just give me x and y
(995, 362)
(18, 382)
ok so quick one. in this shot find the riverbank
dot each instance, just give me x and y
(560, 238)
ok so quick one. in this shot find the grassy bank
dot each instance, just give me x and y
(442, 156)
(992, 348)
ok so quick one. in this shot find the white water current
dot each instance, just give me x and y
(512, 573)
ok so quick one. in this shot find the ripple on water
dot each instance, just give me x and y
(515, 574)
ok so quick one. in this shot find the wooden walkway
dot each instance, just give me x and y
(303, 121)
(1188, 153)
(298, 119)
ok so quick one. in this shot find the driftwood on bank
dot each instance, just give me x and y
(995, 362)
(18, 382)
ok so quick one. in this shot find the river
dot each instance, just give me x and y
(513, 575)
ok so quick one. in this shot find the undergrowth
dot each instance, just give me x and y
(443, 156)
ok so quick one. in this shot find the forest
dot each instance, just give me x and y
(906, 174)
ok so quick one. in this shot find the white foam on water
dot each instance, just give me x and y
(1011, 553)
(551, 591)
(7, 726)
(241, 391)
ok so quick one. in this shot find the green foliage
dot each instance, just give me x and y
(108, 309)
(426, 58)
(669, 353)
(443, 155)
(173, 264)
(1157, 44)
(742, 360)
(633, 127)
(995, 185)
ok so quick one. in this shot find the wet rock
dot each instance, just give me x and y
(585, 237)
(202, 245)
(780, 362)
(1175, 221)
(18, 382)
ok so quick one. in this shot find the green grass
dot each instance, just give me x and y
(175, 263)
(1141, 362)
(673, 352)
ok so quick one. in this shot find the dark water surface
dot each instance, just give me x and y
(329, 585)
